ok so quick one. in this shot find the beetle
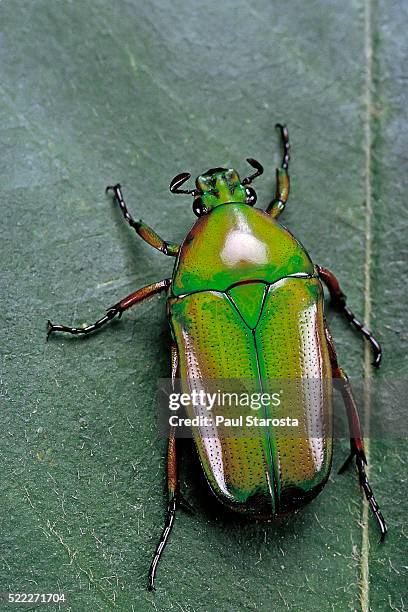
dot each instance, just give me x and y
(246, 301)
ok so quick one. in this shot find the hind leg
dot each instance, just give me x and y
(356, 436)
(172, 487)
(174, 499)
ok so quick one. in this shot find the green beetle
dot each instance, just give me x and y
(245, 302)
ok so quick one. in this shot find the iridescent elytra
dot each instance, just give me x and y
(241, 303)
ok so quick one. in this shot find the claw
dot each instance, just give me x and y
(50, 329)
(113, 187)
(384, 530)
(377, 359)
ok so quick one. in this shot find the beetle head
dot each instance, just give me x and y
(218, 186)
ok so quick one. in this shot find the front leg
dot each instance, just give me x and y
(144, 231)
(113, 311)
(282, 177)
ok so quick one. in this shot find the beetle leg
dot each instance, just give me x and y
(357, 450)
(113, 311)
(144, 231)
(173, 497)
(356, 436)
(282, 177)
(339, 301)
(172, 487)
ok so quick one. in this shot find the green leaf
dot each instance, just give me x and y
(97, 92)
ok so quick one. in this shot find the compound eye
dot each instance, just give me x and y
(198, 207)
(250, 196)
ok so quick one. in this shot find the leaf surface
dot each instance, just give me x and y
(98, 92)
